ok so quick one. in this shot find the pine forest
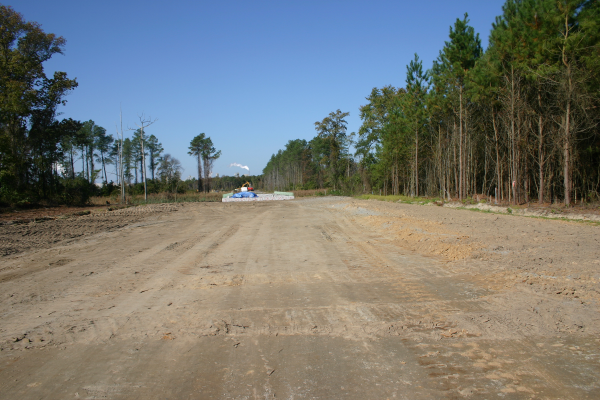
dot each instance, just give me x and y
(517, 122)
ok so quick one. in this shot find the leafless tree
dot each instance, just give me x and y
(144, 123)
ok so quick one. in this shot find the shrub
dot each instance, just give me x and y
(77, 191)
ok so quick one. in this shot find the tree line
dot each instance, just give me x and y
(324, 161)
(517, 122)
(30, 135)
(224, 183)
(44, 158)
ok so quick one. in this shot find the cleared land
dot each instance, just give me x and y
(312, 298)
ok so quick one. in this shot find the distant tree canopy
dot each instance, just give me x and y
(202, 148)
(169, 170)
(30, 135)
(325, 161)
(41, 157)
(228, 183)
(518, 121)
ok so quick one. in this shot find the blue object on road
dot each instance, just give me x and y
(244, 194)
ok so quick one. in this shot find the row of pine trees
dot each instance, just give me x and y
(44, 158)
(517, 122)
(91, 148)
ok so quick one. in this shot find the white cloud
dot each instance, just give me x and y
(239, 165)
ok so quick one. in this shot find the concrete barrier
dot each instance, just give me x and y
(260, 197)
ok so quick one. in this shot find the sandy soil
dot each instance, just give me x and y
(29, 215)
(44, 228)
(310, 298)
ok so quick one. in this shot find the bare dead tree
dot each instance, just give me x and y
(120, 155)
(144, 123)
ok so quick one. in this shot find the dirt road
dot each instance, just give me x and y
(313, 298)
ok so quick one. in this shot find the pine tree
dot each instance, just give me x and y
(154, 149)
(456, 59)
(209, 155)
(333, 129)
(417, 84)
(196, 147)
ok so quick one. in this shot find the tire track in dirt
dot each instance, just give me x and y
(483, 368)
(467, 321)
(160, 288)
(108, 284)
(178, 286)
(295, 299)
(325, 321)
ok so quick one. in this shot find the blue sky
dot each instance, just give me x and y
(252, 75)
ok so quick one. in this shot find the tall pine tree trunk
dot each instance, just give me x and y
(72, 164)
(512, 132)
(103, 166)
(541, 160)
(460, 146)
(439, 162)
(498, 174)
(91, 166)
(456, 181)
(540, 151)
(417, 161)
(199, 173)
(468, 153)
(567, 154)
(83, 161)
(567, 117)
(143, 171)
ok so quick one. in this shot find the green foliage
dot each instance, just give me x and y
(306, 165)
(289, 168)
(332, 132)
(110, 190)
(154, 151)
(169, 171)
(30, 136)
(399, 199)
(137, 158)
(203, 149)
(516, 121)
(229, 183)
(460, 54)
(77, 191)
(195, 149)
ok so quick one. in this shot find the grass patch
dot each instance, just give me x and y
(309, 193)
(510, 212)
(320, 192)
(579, 221)
(479, 210)
(399, 198)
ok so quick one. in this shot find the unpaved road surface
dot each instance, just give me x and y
(319, 298)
